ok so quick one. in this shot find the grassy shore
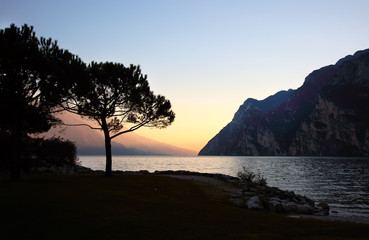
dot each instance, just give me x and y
(144, 207)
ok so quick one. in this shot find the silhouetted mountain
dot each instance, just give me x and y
(91, 142)
(327, 116)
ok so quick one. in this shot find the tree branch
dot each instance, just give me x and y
(131, 129)
(81, 124)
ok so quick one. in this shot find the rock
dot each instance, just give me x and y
(305, 209)
(296, 199)
(254, 203)
(278, 208)
(276, 205)
(308, 201)
(323, 205)
(322, 209)
(287, 195)
(290, 207)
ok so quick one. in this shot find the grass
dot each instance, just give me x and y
(143, 207)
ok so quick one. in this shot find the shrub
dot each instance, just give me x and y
(38, 152)
(251, 178)
(53, 151)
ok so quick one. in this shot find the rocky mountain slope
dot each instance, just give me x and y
(327, 116)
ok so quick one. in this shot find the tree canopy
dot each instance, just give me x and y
(38, 79)
(120, 95)
(36, 76)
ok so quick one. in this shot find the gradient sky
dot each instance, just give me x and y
(207, 57)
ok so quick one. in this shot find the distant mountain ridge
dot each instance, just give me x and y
(327, 116)
(91, 142)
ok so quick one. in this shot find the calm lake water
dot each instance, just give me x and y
(341, 182)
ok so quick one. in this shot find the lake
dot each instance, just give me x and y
(343, 183)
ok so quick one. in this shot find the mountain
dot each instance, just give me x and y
(327, 116)
(91, 142)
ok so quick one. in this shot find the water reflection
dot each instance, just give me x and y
(341, 182)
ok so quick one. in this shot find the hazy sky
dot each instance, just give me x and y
(207, 57)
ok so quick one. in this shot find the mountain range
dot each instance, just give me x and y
(91, 142)
(327, 116)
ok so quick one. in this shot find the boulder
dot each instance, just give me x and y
(305, 209)
(254, 203)
(322, 208)
(276, 205)
(290, 207)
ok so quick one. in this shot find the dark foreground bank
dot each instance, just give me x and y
(240, 193)
(144, 206)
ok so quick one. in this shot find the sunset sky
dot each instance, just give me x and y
(206, 57)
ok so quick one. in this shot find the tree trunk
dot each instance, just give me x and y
(108, 166)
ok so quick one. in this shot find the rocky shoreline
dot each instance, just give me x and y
(260, 197)
(265, 198)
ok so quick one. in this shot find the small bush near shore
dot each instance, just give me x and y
(252, 178)
(53, 151)
(39, 152)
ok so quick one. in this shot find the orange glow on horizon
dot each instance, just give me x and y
(194, 132)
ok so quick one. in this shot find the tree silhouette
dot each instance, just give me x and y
(36, 76)
(120, 95)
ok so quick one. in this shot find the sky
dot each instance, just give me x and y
(206, 56)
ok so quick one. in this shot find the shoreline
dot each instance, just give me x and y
(227, 183)
(216, 181)
(222, 181)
